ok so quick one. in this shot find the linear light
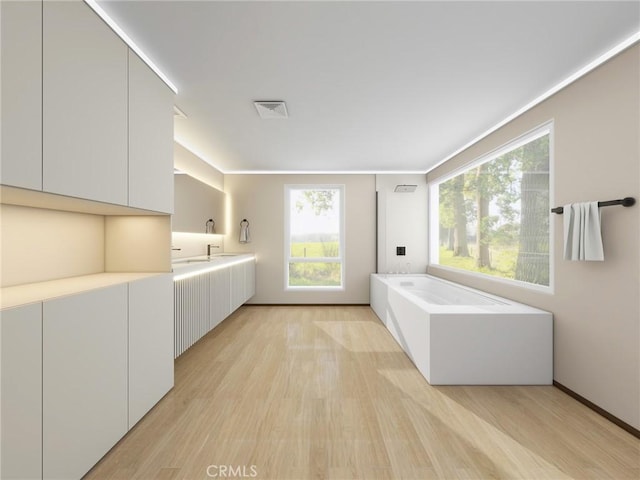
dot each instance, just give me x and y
(121, 33)
(555, 89)
(324, 172)
(213, 268)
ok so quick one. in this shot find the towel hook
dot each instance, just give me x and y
(244, 220)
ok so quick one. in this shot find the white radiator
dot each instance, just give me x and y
(191, 311)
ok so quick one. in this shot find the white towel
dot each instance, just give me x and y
(582, 233)
(245, 235)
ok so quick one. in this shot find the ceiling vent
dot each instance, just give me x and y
(405, 188)
(271, 109)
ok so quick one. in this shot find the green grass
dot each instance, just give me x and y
(314, 274)
(315, 249)
(503, 262)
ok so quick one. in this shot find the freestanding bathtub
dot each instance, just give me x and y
(460, 336)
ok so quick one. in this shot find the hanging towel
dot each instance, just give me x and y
(245, 235)
(582, 233)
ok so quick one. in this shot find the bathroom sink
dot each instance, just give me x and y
(192, 260)
(203, 259)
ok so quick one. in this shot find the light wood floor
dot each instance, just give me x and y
(325, 392)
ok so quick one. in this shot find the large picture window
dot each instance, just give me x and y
(492, 217)
(314, 236)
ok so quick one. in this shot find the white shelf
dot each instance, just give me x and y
(37, 292)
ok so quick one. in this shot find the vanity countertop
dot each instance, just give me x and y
(201, 264)
(41, 291)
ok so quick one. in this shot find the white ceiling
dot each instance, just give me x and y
(369, 86)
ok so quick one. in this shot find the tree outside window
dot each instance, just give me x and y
(493, 218)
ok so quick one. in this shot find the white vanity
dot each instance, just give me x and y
(207, 289)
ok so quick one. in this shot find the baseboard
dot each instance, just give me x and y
(625, 426)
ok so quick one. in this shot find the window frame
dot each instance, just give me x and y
(434, 214)
(288, 259)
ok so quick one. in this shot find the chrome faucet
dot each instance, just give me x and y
(210, 246)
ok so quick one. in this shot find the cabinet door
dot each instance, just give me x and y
(21, 71)
(238, 284)
(191, 311)
(150, 139)
(84, 379)
(219, 298)
(150, 343)
(21, 392)
(84, 105)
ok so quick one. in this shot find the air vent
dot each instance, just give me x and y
(405, 188)
(271, 109)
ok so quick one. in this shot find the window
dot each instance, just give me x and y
(314, 236)
(492, 217)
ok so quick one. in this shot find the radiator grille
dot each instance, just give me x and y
(202, 301)
(191, 311)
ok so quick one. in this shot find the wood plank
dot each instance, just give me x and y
(325, 392)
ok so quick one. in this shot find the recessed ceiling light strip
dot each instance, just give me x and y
(116, 28)
(555, 89)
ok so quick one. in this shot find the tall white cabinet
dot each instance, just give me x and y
(21, 392)
(86, 127)
(84, 105)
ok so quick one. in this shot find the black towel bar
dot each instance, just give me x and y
(625, 202)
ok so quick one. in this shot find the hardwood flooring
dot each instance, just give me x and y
(325, 393)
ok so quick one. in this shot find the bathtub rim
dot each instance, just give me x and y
(508, 305)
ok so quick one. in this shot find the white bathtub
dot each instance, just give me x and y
(460, 336)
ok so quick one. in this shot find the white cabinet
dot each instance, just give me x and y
(21, 71)
(220, 296)
(237, 286)
(243, 283)
(84, 379)
(203, 300)
(150, 343)
(82, 115)
(21, 392)
(84, 105)
(150, 139)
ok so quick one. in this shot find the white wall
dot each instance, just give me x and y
(260, 199)
(402, 221)
(194, 244)
(595, 304)
(39, 244)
